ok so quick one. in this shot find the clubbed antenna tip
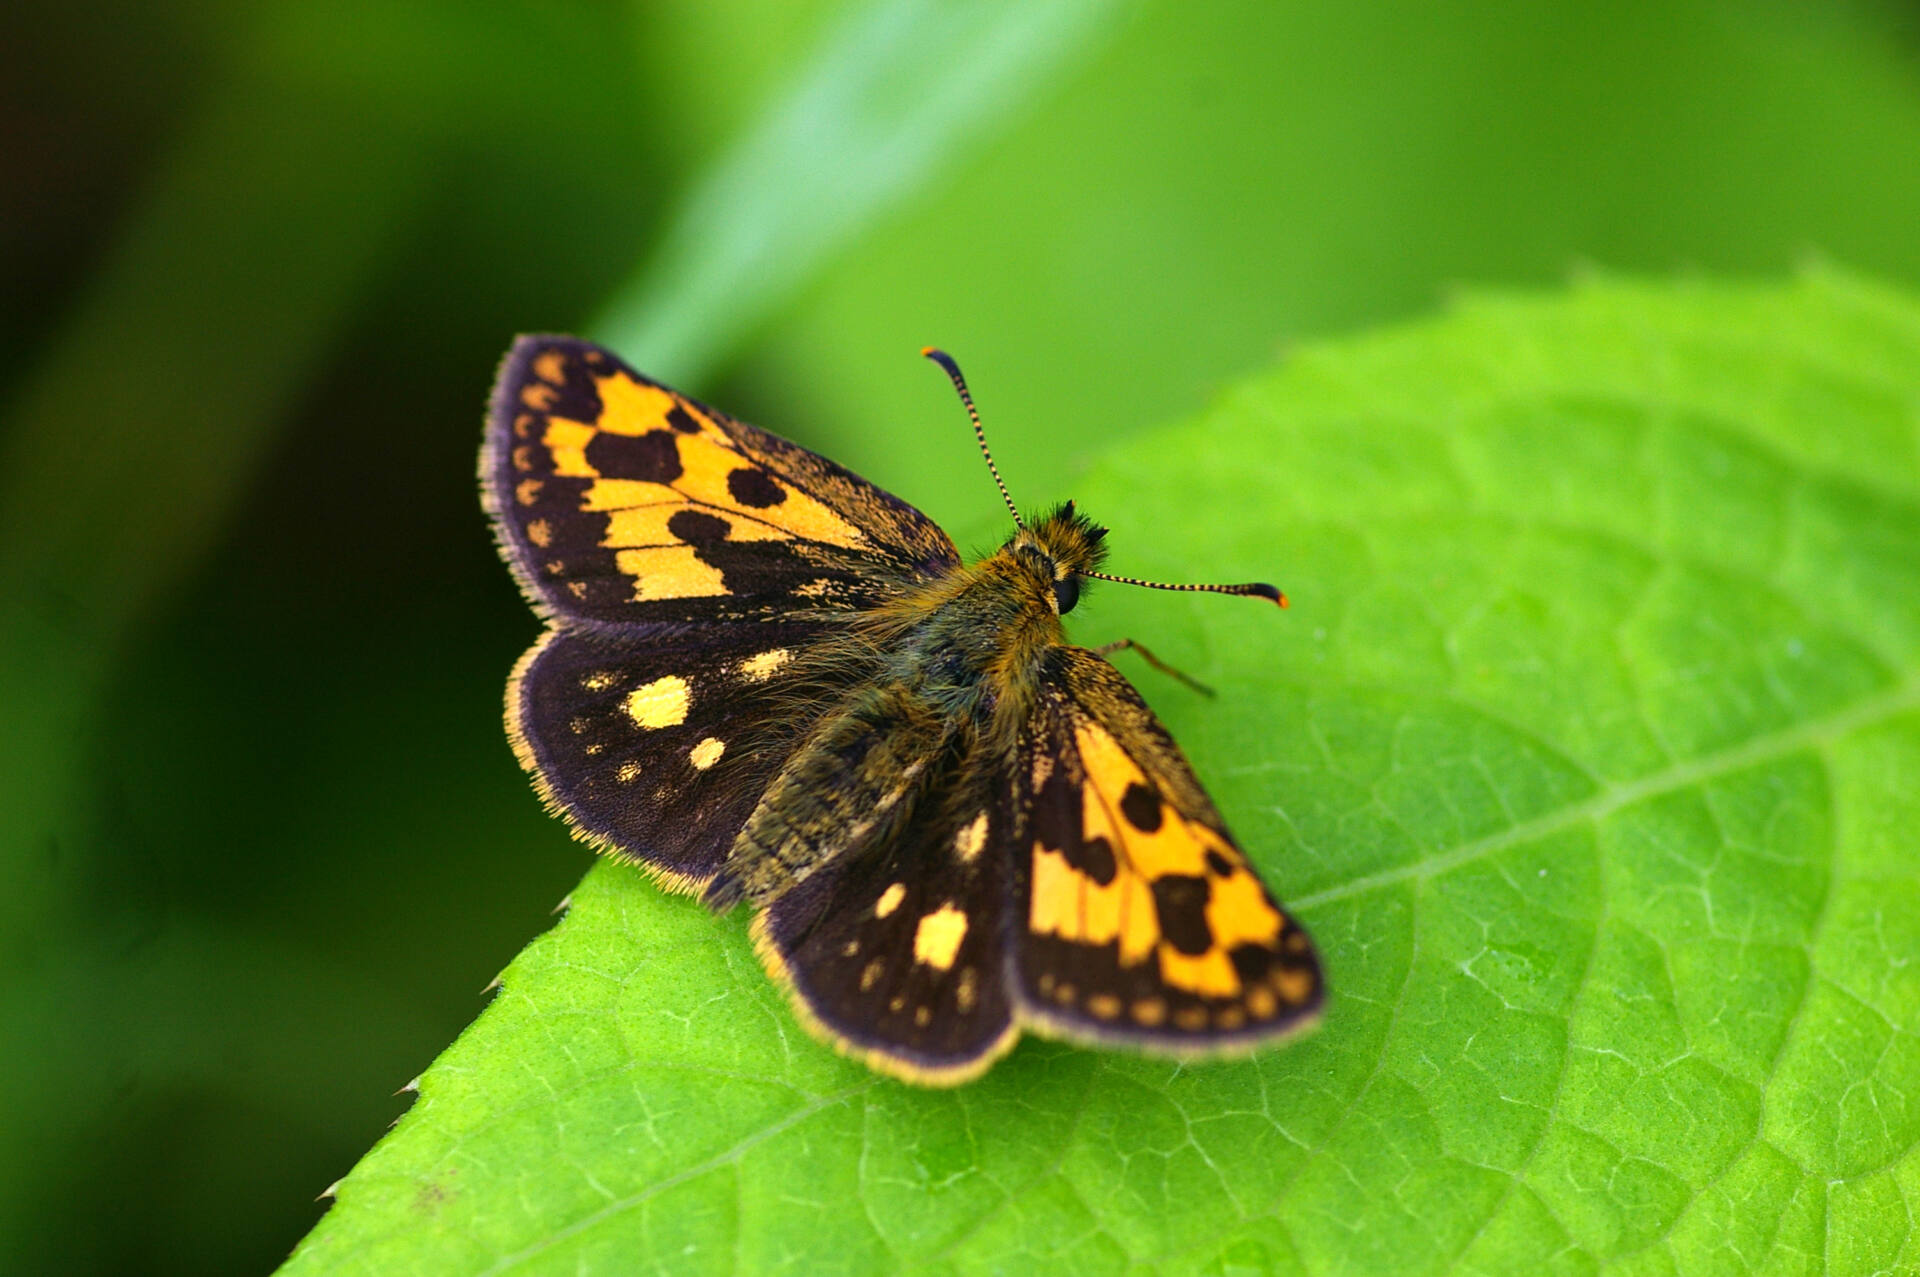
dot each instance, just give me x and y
(1248, 589)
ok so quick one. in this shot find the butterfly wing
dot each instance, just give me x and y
(1137, 919)
(658, 751)
(618, 500)
(893, 950)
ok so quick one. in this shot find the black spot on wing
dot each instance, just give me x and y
(754, 488)
(653, 457)
(1253, 963)
(1181, 901)
(1141, 808)
(697, 526)
(1093, 857)
(682, 420)
(1218, 864)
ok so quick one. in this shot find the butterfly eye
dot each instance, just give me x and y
(1066, 592)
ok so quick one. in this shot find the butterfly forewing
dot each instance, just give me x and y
(1138, 918)
(619, 500)
(659, 751)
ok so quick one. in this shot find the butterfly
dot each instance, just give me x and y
(765, 680)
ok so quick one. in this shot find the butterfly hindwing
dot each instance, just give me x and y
(619, 500)
(1137, 918)
(895, 950)
(658, 751)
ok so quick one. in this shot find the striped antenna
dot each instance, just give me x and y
(1252, 589)
(945, 360)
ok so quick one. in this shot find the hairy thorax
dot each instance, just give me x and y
(974, 647)
(971, 643)
(953, 668)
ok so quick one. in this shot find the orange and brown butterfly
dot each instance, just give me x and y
(766, 680)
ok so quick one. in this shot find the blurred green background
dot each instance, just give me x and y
(264, 842)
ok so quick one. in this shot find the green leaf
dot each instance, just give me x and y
(1590, 751)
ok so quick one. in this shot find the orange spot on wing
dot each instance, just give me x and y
(621, 494)
(1139, 927)
(1056, 896)
(1238, 912)
(1295, 986)
(567, 444)
(938, 936)
(1068, 904)
(1210, 974)
(669, 572)
(629, 408)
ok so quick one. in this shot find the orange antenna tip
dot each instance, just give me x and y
(1249, 589)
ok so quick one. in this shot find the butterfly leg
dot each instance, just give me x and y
(1127, 644)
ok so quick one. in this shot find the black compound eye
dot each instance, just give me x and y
(1066, 592)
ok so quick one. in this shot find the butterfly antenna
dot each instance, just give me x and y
(945, 361)
(1253, 589)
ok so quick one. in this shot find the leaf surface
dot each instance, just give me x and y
(1590, 752)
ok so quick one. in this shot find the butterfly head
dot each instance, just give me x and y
(1062, 549)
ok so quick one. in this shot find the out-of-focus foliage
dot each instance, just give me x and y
(263, 842)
